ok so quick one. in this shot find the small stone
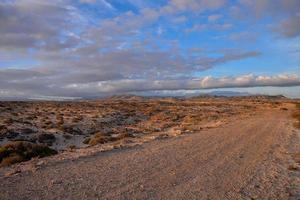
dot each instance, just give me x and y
(26, 131)
(46, 138)
(13, 172)
(11, 134)
(55, 182)
(40, 163)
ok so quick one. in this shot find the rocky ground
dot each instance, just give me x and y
(196, 148)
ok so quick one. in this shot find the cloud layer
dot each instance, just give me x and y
(29, 87)
(99, 47)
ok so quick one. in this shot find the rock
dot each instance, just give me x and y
(12, 172)
(40, 163)
(11, 134)
(32, 139)
(72, 130)
(19, 138)
(54, 182)
(162, 136)
(86, 140)
(67, 136)
(47, 138)
(26, 131)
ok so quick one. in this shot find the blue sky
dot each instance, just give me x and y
(84, 48)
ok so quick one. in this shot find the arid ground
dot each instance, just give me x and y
(150, 148)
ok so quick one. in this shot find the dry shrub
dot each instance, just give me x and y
(19, 151)
(96, 116)
(192, 119)
(98, 139)
(72, 147)
(292, 168)
(12, 159)
(123, 136)
(60, 120)
(297, 157)
(77, 119)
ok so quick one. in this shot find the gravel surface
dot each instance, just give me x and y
(241, 160)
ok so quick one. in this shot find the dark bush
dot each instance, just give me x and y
(19, 151)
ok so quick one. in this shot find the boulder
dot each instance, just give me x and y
(26, 131)
(46, 138)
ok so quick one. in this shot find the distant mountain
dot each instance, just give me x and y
(126, 97)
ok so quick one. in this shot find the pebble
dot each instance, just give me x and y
(13, 172)
(54, 182)
(40, 163)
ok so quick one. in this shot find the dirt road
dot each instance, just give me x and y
(241, 160)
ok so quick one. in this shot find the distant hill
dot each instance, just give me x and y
(228, 93)
(126, 97)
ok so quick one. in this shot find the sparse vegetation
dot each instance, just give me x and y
(296, 115)
(296, 156)
(112, 120)
(59, 120)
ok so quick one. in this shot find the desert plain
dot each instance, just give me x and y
(131, 147)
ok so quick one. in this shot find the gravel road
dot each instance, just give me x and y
(240, 160)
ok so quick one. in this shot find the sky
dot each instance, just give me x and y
(97, 48)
